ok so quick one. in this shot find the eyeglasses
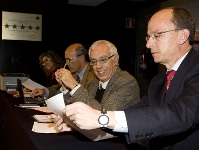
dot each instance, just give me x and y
(69, 59)
(46, 60)
(155, 36)
(102, 60)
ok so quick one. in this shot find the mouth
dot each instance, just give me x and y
(101, 72)
(153, 53)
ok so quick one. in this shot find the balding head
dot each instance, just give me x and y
(76, 57)
(73, 47)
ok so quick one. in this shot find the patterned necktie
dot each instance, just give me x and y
(170, 75)
(78, 79)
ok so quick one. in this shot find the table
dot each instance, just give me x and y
(16, 125)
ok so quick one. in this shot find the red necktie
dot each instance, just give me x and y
(170, 75)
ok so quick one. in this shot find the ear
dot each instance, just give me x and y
(184, 35)
(116, 59)
(81, 58)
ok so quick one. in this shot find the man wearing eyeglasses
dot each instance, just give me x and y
(169, 115)
(113, 89)
(77, 59)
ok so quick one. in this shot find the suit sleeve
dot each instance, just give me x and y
(53, 90)
(179, 117)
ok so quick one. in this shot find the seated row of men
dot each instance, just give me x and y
(167, 116)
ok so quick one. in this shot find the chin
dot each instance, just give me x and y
(71, 70)
(156, 60)
(102, 79)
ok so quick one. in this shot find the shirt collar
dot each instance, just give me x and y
(104, 84)
(177, 64)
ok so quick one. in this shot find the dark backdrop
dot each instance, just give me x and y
(64, 24)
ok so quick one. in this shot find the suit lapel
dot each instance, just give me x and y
(160, 85)
(110, 83)
(83, 81)
(87, 76)
(94, 88)
(177, 79)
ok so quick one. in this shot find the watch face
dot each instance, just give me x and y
(103, 120)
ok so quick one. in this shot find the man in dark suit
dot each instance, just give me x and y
(169, 116)
(113, 89)
(77, 61)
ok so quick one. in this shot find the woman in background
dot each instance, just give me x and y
(50, 61)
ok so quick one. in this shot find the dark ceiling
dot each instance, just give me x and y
(99, 2)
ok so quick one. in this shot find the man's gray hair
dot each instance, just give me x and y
(112, 48)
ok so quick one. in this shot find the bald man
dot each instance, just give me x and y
(77, 59)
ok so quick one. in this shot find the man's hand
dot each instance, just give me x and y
(26, 90)
(59, 81)
(66, 78)
(62, 126)
(82, 115)
(57, 78)
(37, 92)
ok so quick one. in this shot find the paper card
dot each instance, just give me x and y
(43, 109)
(44, 128)
(43, 118)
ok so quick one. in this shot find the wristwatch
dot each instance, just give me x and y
(103, 119)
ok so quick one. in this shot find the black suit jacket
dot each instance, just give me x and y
(173, 122)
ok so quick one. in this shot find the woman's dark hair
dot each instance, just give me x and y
(55, 58)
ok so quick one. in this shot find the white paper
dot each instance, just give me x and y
(43, 118)
(43, 109)
(56, 104)
(95, 134)
(32, 85)
(44, 128)
(26, 94)
(27, 105)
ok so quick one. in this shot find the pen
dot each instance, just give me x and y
(65, 65)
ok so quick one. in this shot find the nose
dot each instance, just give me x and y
(44, 64)
(98, 64)
(149, 42)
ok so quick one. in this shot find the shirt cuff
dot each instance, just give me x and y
(75, 89)
(64, 92)
(46, 94)
(121, 125)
